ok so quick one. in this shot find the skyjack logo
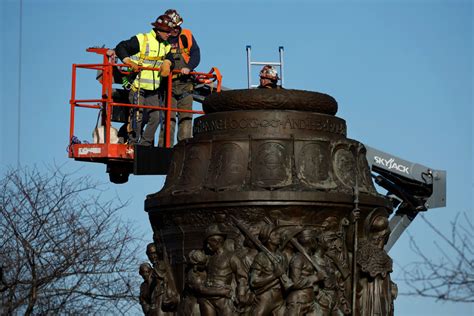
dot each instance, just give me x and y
(391, 164)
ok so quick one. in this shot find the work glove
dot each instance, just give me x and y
(165, 68)
(127, 61)
(112, 55)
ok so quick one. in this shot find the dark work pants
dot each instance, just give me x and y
(182, 98)
(145, 97)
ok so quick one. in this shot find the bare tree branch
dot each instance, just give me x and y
(450, 277)
(63, 248)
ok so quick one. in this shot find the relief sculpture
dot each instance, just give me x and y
(195, 279)
(223, 267)
(377, 291)
(345, 166)
(313, 164)
(289, 269)
(272, 166)
(229, 168)
(269, 274)
(269, 209)
(158, 294)
(305, 275)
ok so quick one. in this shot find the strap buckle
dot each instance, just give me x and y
(127, 86)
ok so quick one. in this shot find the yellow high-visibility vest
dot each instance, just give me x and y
(152, 53)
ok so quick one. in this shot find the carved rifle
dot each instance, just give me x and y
(301, 249)
(287, 283)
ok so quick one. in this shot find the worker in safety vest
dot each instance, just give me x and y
(269, 78)
(150, 50)
(187, 56)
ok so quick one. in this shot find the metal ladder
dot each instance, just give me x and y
(251, 63)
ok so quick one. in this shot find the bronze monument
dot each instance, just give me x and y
(270, 210)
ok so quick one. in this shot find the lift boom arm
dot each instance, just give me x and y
(412, 187)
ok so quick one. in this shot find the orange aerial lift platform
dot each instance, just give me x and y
(124, 159)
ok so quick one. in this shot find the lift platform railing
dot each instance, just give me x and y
(212, 76)
(106, 102)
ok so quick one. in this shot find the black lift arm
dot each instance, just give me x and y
(412, 187)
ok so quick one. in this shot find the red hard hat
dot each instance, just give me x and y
(164, 23)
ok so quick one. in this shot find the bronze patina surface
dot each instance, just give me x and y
(280, 207)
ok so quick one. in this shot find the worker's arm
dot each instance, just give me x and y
(169, 56)
(194, 55)
(168, 65)
(128, 48)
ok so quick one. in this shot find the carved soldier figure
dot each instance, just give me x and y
(330, 297)
(246, 254)
(233, 236)
(268, 274)
(146, 271)
(222, 268)
(195, 278)
(164, 297)
(301, 299)
(377, 290)
(288, 233)
(333, 236)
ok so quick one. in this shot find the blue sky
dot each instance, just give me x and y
(400, 70)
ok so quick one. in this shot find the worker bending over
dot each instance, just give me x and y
(187, 56)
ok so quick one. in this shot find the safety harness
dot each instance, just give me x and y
(185, 42)
(143, 59)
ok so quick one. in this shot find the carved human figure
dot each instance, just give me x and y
(330, 295)
(301, 300)
(377, 291)
(164, 297)
(194, 170)
(333, 236)
(286, 247)
(314, 163)
(268, 274)
(271, 165)
(229, 168)
(344, 166)
(222, 268)
(246, 253)
(233, 236)
(195, 279)
(146, 271)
